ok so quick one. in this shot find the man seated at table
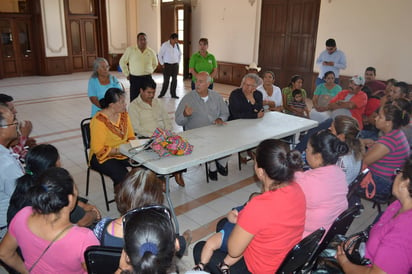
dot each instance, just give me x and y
(23, 142)
(246, 102)
(148, 113)
(202, 107)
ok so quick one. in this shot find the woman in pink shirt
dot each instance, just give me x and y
(389, 246)
(48, 241)
(324, 184)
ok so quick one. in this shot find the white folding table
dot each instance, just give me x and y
(216, 141)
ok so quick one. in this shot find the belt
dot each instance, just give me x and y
(171, 64)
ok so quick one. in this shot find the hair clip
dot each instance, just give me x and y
(148, 247)
(28, 171)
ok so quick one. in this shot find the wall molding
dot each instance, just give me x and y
(54, 28)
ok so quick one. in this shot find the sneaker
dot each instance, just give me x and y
(199, 267)
(223, 267)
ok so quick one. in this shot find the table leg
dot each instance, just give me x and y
(169, 202)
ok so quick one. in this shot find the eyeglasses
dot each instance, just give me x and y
(397, 171)
(15, 123)
(158, 209)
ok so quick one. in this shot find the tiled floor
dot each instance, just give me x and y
(57, 104)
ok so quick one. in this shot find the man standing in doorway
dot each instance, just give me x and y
(331, 59)
(138, 63)
(169, 57)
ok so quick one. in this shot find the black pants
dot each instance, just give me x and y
(136, 83)
(115, 169)
(304, 141)
(218, 256)
(170, 70)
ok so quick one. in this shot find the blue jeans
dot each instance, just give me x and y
(383, 186)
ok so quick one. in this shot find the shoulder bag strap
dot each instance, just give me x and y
(50, 244)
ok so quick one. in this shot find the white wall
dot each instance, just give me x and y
(371, 33)
(148, 21)
(54, 27)
(117, 25)
(231, 27)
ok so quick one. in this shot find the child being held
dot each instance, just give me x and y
(298, 104)
(219, 241)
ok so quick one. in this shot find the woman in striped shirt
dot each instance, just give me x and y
(391, 149)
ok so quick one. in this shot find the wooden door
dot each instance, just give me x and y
(176, 18)
(17, 54)
(288, 39)
(83, 43)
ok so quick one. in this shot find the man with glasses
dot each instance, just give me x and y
(331, 59)
(23, 142)
(10, 168)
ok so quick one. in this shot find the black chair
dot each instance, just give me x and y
(102, 259)
(301, 253)
(339, 226)
(355, 185)
(356, 190)
(85, 128)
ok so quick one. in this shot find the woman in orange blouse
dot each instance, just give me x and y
(110, 128)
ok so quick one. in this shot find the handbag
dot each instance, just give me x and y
(355, 248)
(165, 143)
(367, 185)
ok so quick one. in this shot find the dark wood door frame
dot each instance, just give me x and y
(288, 39)
(100, 31)
(24, 64)
(168, 12)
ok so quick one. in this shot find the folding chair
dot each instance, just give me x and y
(102, 259)
(301, 253)
(339, 226)
(354, 189)
(85, 128)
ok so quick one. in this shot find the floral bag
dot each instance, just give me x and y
(165, 143)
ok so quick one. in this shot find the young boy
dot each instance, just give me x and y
(219, 241)
(298, 105)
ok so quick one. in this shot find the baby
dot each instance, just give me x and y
(219, 241)
(298, 104)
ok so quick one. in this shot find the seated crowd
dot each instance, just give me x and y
(366, 124)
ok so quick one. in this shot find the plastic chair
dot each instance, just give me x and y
(102, 259)
(354, 189)
(339, 226)
(85, 128)
(301, 253)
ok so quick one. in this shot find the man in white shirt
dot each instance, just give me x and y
(10, 168)
(169, 57)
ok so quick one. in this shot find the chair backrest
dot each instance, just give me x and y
(102, 259)
(339, 226)
(85, 129)
(354, 186)
(301, 253)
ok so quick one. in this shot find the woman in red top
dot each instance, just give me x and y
(271, 223)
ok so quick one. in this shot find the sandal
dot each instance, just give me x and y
(224, 268)
(199, 267)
